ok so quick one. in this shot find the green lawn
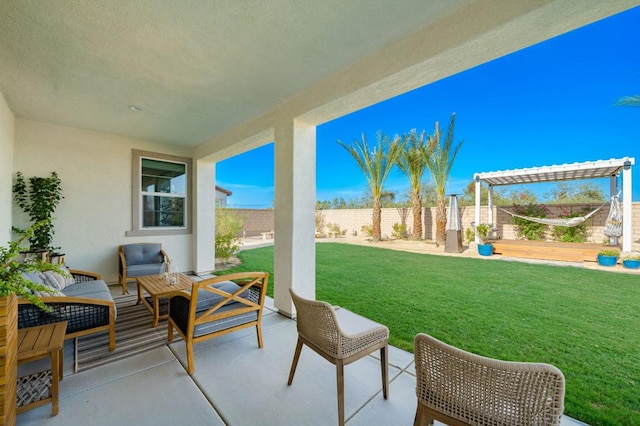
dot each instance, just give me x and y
(585, 322)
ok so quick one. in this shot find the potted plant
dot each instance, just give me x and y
(484, 248)
(631, 261)
(39, 200)
(13, 283)
(608, 257)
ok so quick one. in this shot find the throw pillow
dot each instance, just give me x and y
(54, 280)
(48, 293)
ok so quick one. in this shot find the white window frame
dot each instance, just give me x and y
(136, 202)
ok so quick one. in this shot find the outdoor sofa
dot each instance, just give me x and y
(86, 305)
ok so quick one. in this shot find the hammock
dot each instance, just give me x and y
(569, 222)
(613, 224)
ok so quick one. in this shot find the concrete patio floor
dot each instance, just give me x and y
(235, 383)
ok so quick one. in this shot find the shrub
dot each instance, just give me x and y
(367, 230)
(469, 235)
(399, 231)
(527, 229)
(573, 234)
(229, 224)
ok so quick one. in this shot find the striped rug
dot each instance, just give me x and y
(134, 335)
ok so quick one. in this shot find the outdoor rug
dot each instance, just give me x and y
(134, 335)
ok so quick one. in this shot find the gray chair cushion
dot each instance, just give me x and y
(140, 254)
(212, 327)
(206, 299)
(142, 270)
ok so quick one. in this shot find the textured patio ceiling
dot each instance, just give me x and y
(560, 172)
(198, 68)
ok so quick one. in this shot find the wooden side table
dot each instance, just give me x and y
(43, 341)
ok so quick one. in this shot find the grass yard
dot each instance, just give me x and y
(585, 322)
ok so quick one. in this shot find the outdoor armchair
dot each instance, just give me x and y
(218, 306)
(460, 388)
(140, 259)
(340, 337)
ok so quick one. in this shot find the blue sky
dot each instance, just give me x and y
(551, 103)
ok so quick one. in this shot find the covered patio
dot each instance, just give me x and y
(234, 383)
(90, 89)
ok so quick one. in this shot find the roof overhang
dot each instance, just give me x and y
(573, 171)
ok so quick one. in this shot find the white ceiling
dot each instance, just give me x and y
(196, 67)
(199, 68)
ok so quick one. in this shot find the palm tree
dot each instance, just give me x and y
(443, 154)
(376, 165)
(633, 101)
(413, 164)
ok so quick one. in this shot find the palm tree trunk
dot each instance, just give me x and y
(441, 221)
(377, 218)
(416, 204)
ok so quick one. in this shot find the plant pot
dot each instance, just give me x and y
(631, 263)
(607, 260)
(485, 249)
(9, 360)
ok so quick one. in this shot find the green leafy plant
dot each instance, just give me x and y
(483, 231)
(229, 224)
(631, 256)
(320, 218)
(609, 252)
(571, 234)
(12, 279)
(39, 200)
(399, 231)
(469, 235)
(527, 229)
(367, 230)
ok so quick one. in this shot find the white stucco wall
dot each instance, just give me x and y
(95, 170)
(6, 169)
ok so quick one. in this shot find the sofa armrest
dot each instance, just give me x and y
(81, 313)
(82, 276)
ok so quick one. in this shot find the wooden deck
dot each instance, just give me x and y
(548, 250)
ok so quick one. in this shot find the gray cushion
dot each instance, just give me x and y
(142, 270)
(212, 327)
(33, 277)
(206, 299)
(96, 289)
(140, 254)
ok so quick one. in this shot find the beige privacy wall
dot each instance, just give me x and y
(352, 220)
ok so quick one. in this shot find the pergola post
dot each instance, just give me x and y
(626, 206)
(476, 218)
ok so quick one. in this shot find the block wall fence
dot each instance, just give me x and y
(352, 220)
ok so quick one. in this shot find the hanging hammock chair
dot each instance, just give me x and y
(569, 222)
(613, 224)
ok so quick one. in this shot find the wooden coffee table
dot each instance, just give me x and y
(157, 288)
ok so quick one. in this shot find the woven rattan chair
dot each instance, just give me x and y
(341, 337)
(460, 388)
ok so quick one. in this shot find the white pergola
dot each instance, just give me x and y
(575, 171)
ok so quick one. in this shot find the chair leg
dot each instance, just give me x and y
(259, 332)
(340, 382)
(384, 365)
(169, 331)
(294, 363)
(190, 366)
(422, 417)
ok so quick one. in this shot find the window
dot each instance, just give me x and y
(161, 194)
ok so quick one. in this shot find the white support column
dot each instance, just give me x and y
(204, 228)
(626, 208)
(476, 217)
(295, 201)
(490, 204)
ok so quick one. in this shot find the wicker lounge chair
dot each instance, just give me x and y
(340, 337)
(218, 306)
(460, 388)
